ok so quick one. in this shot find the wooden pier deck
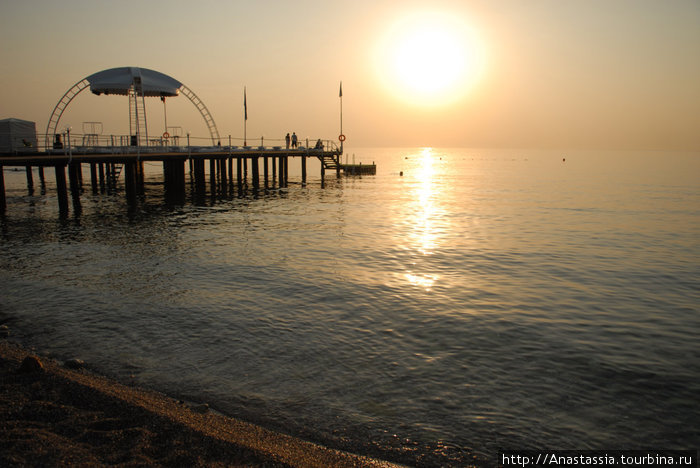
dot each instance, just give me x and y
(108, 163)
(127, 154)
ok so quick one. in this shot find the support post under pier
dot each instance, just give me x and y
(303, 169)
(74, 178)
(199, 178)
(102, 177)
(42, 180)
(239, 173)
(30, 179)
(3, 205)
(93, 177)
(212, 176)
(265, 174)
(281, 171)
(130, 182)
(174, 172)
(255, 172)
(61, 189)
(274, 171)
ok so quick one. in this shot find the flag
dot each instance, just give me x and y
(245, 105)
(341, 90)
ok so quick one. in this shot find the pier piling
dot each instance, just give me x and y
(174, 182)
(222, 162)
(239, 174)
(3, 204)
(255, 172)
(230, 169)
(303, 169)
(30, 179)
(212, 176)
(105, 169)
(274, 171)
(74, 179)
(61, 188)
(130, 182)
(140, 179)
(93, 178)
(265, 174)
(199, 179)
(101, 170)
(79, 170)
(281, 171)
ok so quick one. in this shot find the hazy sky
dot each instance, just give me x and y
(527, 73)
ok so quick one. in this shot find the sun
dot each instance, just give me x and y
(429, 58)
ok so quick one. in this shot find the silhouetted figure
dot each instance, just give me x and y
(319, 144)
(294, 140)
(286, 140)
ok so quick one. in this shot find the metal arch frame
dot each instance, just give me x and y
(60, 107)
(84, 83)
(208, 119)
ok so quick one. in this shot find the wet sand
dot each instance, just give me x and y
(54, 416)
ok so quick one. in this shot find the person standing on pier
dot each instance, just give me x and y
(294, 139)
(286, 139)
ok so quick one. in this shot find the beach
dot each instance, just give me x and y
(55, 416)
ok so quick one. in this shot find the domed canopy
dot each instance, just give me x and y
(119, 80)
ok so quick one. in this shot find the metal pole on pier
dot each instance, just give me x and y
(165, 117)
(341, 137)
(245, 118)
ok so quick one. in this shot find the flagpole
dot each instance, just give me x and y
(341, 137)
(245, 118)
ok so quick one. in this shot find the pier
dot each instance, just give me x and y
(110, 156)
(263, 167)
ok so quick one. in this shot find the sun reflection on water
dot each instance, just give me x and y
(425, 193)
(422, 281)
(425, 225)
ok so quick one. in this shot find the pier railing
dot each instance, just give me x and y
(90, 143)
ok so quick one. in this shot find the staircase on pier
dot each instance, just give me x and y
(331, 161)
(137, 114)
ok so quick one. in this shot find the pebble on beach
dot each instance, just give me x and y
(202, 408)
(30, 364)
(74, 364)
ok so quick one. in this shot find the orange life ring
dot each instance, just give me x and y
(166, 135)
(341, 137)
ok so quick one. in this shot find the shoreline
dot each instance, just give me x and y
(53, 415)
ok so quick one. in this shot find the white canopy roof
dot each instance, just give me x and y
(119, 80)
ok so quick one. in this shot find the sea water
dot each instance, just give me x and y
(459, 302)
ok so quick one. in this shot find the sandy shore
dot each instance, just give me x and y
(54, 416)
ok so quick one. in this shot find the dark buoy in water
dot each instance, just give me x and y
(401, 174)
(563, 160)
